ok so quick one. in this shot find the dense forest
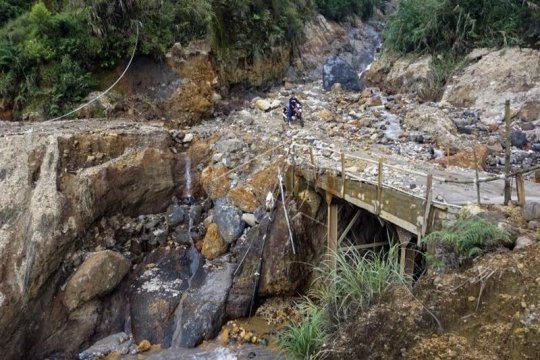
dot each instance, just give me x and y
(51, 51)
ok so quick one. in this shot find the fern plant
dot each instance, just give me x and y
(470, 236)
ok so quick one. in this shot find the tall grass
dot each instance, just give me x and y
(340, 291)
(305, 339)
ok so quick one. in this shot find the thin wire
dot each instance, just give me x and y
(110, 87)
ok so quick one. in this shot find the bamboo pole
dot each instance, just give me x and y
(344, 177)
(285, 211)
(380, 186)
(477, 177)
(520, 187)
(508, 145)
(429, 199)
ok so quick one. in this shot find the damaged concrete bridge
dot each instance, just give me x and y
(415, 199)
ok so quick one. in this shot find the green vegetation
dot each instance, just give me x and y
(305, 339)
(470, 236)
(340, 9)
(449, 29)
(437, 26)
(338, 293)
(51, 50)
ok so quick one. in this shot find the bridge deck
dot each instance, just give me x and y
(397, 193)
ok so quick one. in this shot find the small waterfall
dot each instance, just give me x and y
(187, 178)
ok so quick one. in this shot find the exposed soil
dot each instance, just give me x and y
(490, 310)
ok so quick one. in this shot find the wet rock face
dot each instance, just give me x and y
(99, 274)
(355, 44)
(338, 71)
(282, 272)
(156, 292)
(201, 312)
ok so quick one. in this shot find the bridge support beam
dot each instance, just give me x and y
(332, 223)
(406, 263)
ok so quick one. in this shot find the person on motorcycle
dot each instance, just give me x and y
(293, 103)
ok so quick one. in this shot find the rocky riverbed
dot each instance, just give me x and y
(129, 236)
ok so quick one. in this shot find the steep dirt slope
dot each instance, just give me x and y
(490, 310)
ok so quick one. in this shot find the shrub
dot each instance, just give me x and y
(457, 25)
(340, 291)
(10, 9)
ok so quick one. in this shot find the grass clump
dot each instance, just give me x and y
(305, 339)
(339, 292)
(470, 236)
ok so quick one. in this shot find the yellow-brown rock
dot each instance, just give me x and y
(244, 199)
(465, 158)
(264, 181)
(215, 182)
(213, 244)
(144, 346)
(325, 115)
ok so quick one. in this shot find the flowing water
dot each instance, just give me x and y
(188, 187)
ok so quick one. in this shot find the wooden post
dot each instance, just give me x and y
(332, 237)
(343, 176)
(380, 186)
(293, 169)
(477, 177)
(312, 159)
(508, 146)
(349, 227)
(429, 199)
(291, 239)
(537, 176)
(520, 186)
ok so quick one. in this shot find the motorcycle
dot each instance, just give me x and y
(296, 115)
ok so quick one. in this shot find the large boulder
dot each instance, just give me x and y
(215, 182)
(201, 312)
(229, 220)
(97, 276)
(531, 211)
(156, 292)
(338, 71)
(282, 273)
(244, 199)
(434, 121)
(508, 74)
(57, 179)
(403, 75)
